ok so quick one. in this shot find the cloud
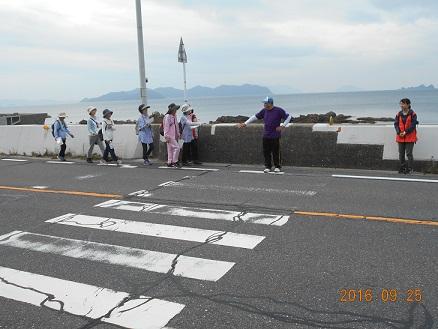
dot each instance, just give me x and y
(262, 41)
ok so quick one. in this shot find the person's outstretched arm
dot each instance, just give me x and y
(258, 116)
(287, 120)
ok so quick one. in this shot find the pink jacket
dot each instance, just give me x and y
(171, 128)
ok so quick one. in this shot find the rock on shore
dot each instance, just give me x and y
(311, 118)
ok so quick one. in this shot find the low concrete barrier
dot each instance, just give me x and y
(321, 145)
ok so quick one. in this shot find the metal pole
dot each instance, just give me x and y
(141, 65)
(185, 83)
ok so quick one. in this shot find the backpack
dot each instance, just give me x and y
(53, 127)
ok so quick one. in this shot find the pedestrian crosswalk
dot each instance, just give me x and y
(116, 307)
(86, 300)
(154, 261)
(197, 213)
(159, 230)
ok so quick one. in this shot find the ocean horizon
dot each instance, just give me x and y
(356, 104)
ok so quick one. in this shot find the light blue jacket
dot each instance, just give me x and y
(145, 135)
(61, 130)
(93, 126)
(187, 133)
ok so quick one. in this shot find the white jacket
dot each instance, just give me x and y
(108, 129)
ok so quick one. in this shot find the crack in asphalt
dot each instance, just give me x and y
(49, 297)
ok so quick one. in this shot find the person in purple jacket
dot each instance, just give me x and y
(272, 116)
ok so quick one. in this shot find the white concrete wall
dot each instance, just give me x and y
(35, 139)
(426, 147)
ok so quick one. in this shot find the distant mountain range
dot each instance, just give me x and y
(420, 87)
(198, 91)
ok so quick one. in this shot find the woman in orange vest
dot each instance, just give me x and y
(406, 127)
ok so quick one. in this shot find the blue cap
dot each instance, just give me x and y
(268, 100)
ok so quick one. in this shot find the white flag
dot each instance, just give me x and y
(182, 56)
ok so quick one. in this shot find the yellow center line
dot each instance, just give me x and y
(373, 218)
(76, 193)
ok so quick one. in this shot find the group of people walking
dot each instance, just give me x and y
(174, 131)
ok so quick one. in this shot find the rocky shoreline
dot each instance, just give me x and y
(313, 118)
(309, 118)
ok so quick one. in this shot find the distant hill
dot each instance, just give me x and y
(198, 91)
(420, 87)
(122, 96)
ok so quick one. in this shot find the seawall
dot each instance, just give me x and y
(319, 145)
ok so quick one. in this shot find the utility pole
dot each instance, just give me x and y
(141, 64)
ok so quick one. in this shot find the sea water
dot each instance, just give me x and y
(356, 104)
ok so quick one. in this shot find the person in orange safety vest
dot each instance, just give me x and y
(406, 127)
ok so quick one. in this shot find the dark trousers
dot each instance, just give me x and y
(63, 148)
(271, 151)
(147, 150)
(190, 151)
(109, 150)
(406, 148)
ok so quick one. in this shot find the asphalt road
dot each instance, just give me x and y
(279, 250)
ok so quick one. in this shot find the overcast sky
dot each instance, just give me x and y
(69, 49)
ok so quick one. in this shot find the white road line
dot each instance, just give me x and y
(126, 166)
(241, 188)
(190, 168)
(166, 183)
(154, 261)
(123, 166)
(87, 176)
(260, 172)
(184, 233)
(141, 194)
(61, 162)
(196, 213)
(86, 300)
(388, 178)
(40, 187)
(14, 160)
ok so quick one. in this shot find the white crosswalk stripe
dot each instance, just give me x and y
(189, 168)
(87, 300)
(196, 213)
(14, 160)
(154, 261)
(60, 162)
(160, 230)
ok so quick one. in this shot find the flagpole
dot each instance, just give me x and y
(185, 83)
(182, 58)
(141, 64)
